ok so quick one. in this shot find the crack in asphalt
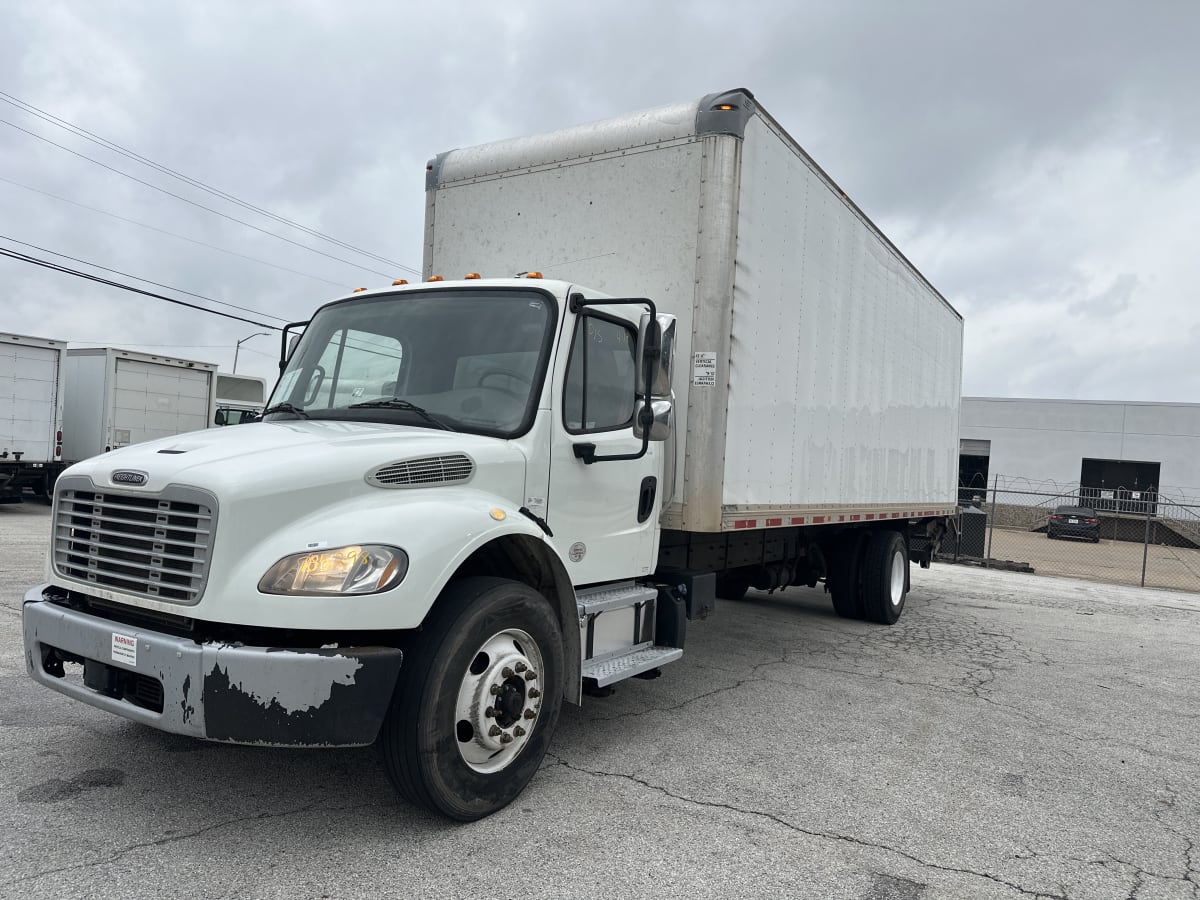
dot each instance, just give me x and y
(823, 835)
(172, 839)
(1191, 874)
(753, 677)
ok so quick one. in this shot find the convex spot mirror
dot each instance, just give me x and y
(662, 420)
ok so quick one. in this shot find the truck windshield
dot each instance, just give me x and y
(467, 360)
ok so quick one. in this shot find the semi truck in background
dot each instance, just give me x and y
(116, 398)
(31, 412)
(469, 501)
(239, 399)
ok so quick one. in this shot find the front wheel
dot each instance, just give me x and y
(478, 699)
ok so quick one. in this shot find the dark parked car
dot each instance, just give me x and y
(1074, 521)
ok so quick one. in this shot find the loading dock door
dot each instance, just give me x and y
(973, 458)
(154, 401)
(1120, 486)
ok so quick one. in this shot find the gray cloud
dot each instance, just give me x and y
(1039, 162)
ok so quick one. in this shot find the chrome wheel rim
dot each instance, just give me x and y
(499, 701)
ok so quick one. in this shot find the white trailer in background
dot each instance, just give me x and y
(31, 408)
(116, 398)
(471, 500)
(239, 398)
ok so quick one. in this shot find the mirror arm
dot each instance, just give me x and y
(283, 345)
(587, 452)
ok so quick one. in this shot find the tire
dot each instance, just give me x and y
(490, 646)
(843, 576)
(733, 585)
(885, 577)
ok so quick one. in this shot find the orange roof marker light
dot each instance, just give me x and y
(399, 281)
(725, 107)
(533, 274)
(358, 290)
(435, 278)
(472, 275)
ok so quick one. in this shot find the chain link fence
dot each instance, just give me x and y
(1149, 538)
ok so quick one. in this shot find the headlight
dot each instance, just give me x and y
(365, 569)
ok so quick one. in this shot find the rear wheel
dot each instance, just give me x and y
(478, 699)
(885, 577)
(843, 575)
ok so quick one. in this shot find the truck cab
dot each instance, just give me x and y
(405, 546)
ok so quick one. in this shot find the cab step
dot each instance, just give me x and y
(617, 633)
(617, 668)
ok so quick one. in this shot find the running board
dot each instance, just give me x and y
(617, 668)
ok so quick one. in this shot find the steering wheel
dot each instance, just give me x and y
(506, 373)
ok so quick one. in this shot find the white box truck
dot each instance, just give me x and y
(240, 398)
(472, 500)
(116, 398)
(31, 408)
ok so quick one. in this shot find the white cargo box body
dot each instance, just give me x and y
(818, 374)
(31, 395)
(120, 397)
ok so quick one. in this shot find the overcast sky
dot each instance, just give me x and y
(1038, 161)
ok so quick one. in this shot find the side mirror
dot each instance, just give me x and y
(288, 342)
(659, 424)
(656, 355)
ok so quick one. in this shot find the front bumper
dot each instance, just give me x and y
(216, 691)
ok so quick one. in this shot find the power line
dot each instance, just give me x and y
(137, 157)
(138, 278)
(215, 212)
(55, 267)
(181, 237)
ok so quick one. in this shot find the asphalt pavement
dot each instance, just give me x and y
(1012, 736)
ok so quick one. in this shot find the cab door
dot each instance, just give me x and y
(603, 515)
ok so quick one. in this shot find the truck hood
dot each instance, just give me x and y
(267, 459)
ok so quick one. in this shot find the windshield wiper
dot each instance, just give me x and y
(397, 403)
(285, 407)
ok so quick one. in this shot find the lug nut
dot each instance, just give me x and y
(534, 692)
(495, 689)
(506, 738)
(530, 714)
(519, 731)
(506, 672)
(520, 667)
(489, 712)
(493, 731)
(531, 675)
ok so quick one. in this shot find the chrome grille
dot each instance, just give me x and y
(425, 471)
(154, 545)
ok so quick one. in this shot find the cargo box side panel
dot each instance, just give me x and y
(30, 399)
(622, 223)
(845, 367)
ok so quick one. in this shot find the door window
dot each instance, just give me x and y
(599, 393)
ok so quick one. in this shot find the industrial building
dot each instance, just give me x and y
(1116, 456)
